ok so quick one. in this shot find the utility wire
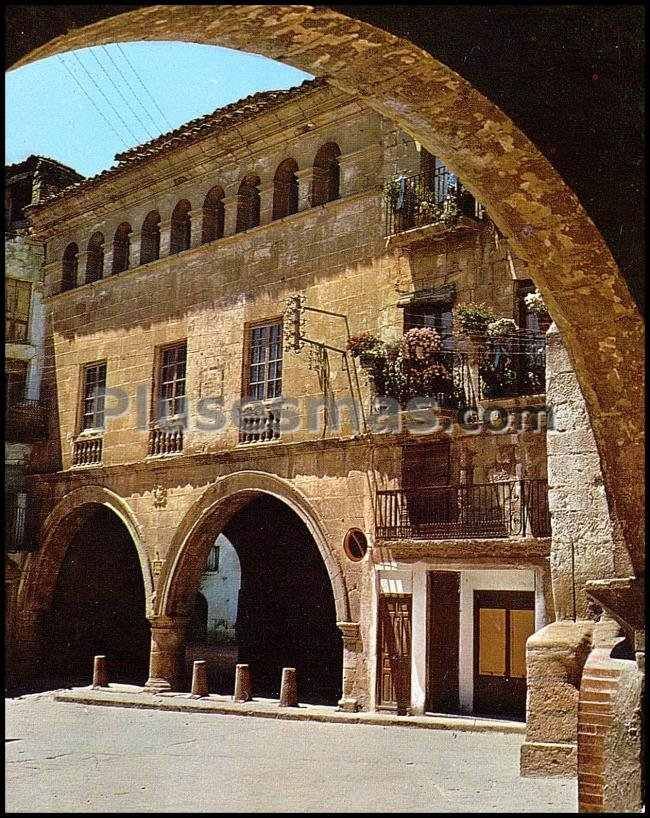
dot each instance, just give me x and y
(119, 91)
(156, 126)
(92, 101)
(117, 113)
(147, 91)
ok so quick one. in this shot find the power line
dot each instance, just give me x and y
(147, 91)
(130, 87)
(117, 113)
(92, 101)
(119, 91)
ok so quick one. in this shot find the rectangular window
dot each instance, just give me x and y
(92, 415)
(171, 382)
(18, 296)
(437, 316)
(264, 365)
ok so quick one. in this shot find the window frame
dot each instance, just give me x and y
(157, 418)
(248, 364)
(82, 429)
(12, 318)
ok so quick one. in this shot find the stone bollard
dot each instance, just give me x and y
(243, 685)
(199, 678)
(100, 673)
(289, 688)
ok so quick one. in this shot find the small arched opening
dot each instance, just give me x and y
(285, 189)
(327, 174)
(70, 267)
(150, 238)
(213, 216)
(248, 204)
(122, 248)
(95, 260)
(181, 228)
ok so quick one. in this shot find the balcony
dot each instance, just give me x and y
(517, 508)
(87, 451)
(26, 421)
(512, 366)
(166, 439)
(433, 198)
(260, 422)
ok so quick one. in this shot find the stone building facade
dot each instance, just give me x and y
(26, 182)
(204, 298)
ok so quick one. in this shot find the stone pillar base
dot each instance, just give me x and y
(542, 759)
(348, 705)
(154, 685)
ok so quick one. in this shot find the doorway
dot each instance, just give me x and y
(503, 621)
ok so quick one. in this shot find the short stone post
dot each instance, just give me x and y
(289, 688)
(199, 678)
(243, 684)
(100, 672)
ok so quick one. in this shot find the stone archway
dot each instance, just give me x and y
(189, 549)
(41, 568)
(542, 218)
(42, 571)
(185, 562)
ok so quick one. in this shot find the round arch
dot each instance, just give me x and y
(208, 516)
(42, 567)
(524, 195)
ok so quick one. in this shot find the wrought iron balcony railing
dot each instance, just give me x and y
(517, 508)
(26, 421)
(424, 199)
(512, 366)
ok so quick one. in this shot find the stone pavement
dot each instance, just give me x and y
(74, 757)
(122, 695)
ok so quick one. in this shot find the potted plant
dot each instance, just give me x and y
(473, 319)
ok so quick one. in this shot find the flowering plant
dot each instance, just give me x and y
(474, 318)
(411, 367)
(535, 303)
(501, 327)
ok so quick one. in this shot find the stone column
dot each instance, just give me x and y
(82, 260)
(166, 658)
(134, 250)
(165, 237)
(555, 658)
(230, 214)
(352, 648)
(266, 203)
(305, 180)
(583, 543)
(108, 263)
(196, 221)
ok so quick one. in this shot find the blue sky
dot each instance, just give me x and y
(47, 113)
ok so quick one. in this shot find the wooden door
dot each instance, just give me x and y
(443, 629)
(503, 621)
(394, 654)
